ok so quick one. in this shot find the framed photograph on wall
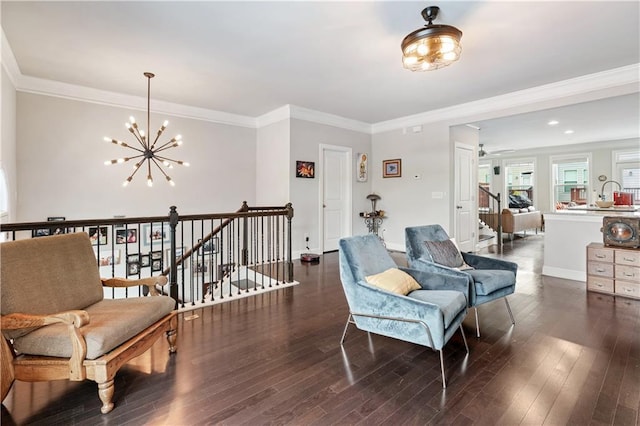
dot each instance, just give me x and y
(209, 247)
(201, 264)
(305, 169)
(133, 268)
(124, 235)
(145, 260)
(155, 234)
(179, 253)
(362, 168)
(392, 168)
(57, 230)
(107, 257)
(98, 235)
(156, 265)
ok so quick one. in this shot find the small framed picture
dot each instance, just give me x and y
(209, 247)
(156, 255)
(41, 232)
(145, 260)
(156, 265)
(98, 235)
(305, 169)
(179, 253)
(155, 234)
(131, 258)
(57, 230)
(133, 268)
(362, 168)
(107, 257)
(124, 235)
(392, 168)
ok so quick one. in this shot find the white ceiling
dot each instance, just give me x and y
(342, 58)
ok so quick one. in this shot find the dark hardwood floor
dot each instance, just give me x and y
(572, 358)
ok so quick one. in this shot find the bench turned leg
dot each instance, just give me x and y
(172, 336)
(105, 392)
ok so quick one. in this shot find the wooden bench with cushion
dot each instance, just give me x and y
(57, 324)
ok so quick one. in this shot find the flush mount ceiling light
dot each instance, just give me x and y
(148, 152)
(433, 46)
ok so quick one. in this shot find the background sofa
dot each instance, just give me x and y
(514, 220)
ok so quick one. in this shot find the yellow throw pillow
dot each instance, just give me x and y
(395, 281)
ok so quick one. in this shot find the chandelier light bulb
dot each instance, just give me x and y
(149, 181)
(126, 182)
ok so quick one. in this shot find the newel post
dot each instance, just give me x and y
(499, 223)
(245, 235)
(173, 275)
(289, 208)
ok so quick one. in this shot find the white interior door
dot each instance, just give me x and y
(464, 197)
(336, 195)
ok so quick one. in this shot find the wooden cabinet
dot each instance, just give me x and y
(613, 270)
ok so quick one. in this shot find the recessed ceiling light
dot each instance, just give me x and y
(553, 122)
(568, 132)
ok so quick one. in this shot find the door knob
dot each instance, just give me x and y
(458, 207)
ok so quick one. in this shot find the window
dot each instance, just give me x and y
(627, 172)
(570, 180)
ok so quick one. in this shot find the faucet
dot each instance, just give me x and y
(609, 181)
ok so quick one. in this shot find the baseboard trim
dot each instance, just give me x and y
(568, 274)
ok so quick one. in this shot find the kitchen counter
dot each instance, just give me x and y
(566, 236)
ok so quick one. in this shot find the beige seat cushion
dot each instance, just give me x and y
(112, 322)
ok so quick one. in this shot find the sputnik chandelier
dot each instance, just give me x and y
(149, 152)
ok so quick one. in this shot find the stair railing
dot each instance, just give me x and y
(207, 256)
(491, 213)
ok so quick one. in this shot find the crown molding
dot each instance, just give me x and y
(9, 62)
(627, 77)
(278, 114)
(58, 89)
(329, 119)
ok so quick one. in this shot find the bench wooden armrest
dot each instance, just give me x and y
(149, 282)
(73, 319)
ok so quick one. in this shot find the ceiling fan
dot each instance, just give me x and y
(482, 152)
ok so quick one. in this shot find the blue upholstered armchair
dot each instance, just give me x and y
(426, 315)
(490, 279)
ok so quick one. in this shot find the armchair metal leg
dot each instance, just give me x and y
(346, 326)
(444, 382)
(475, 308)
(509, 309)
(464, 338)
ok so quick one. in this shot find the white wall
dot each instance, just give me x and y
(61, 171)
(273, 164)
(406, 200)
(8, 144)
(306, 138)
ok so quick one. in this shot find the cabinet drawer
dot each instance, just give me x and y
(627, 273)
(627, 257)
(625, 288)
(600, 269)
(599, 284)
(599, 254)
